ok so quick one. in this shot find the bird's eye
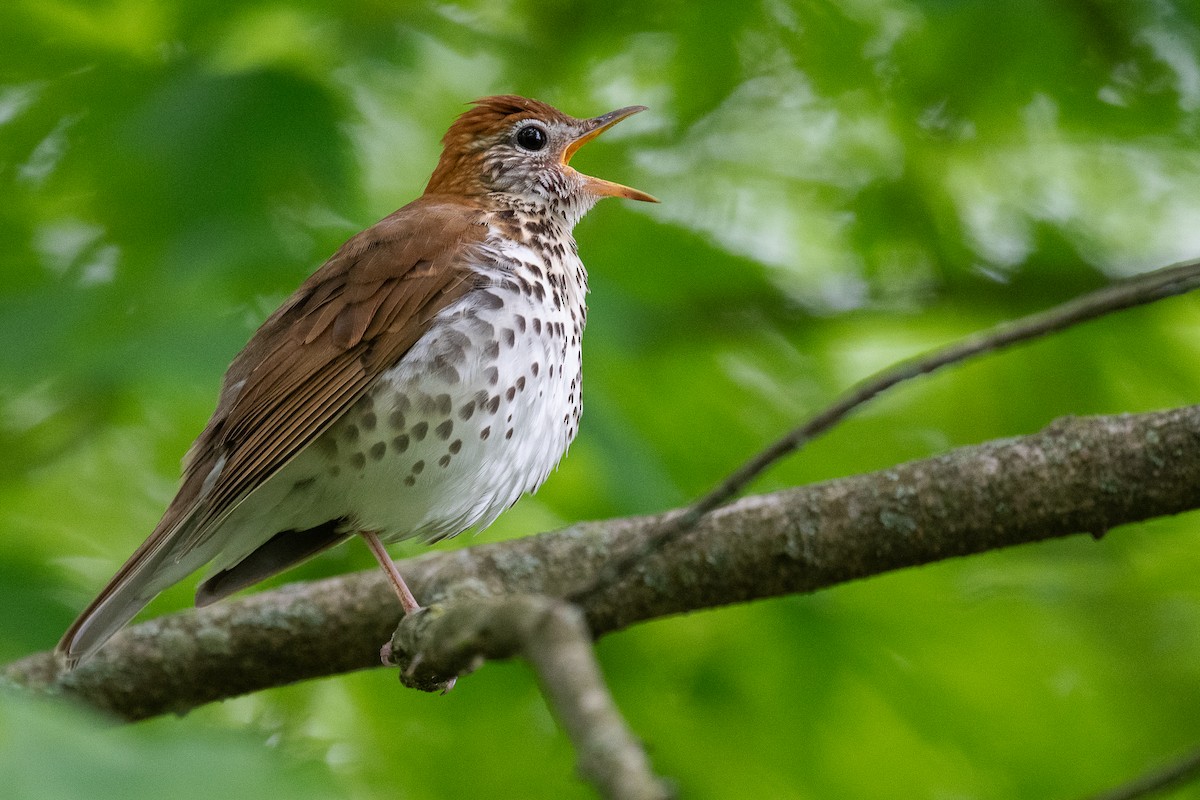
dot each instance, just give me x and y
(532, 138)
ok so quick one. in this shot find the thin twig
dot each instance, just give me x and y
(610, 756)
(1160, 779)
(439, 643)
(1143, 289)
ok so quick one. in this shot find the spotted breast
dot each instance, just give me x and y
(479, 411)
(415, 385)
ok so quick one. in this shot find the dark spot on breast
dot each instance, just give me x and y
(537, 326)
(467, 411)
(511, 393)
(417, 467)
(488, 300)
(443, 404)
(491, 375)
(535, 369)
(327, 447)
(508, 433)
(419, 430)
(377, 450)
(409, 480)
(456, 343)
(444, 461)
(491, 350)
(358, 461)
(368, 421)
(445, 372)
(482, 327)
(520, 320)
(456, 445)
(521, 383)
(396, 420)
(350, 434)
(493, 405)
(400, 443)
(509, 337)
(531, 227)
(443, 430)
(486, 432)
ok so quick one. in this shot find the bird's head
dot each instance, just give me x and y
(515, 146)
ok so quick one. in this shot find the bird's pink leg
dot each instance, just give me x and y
(407, 601)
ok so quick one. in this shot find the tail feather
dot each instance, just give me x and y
(168, 557)
(156, 565)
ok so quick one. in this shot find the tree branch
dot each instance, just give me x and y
(1140, 290)
(1080, 474)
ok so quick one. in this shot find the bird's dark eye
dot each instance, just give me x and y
(532, 138)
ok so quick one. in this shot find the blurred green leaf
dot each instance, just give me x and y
(49, 751)
(844, 184)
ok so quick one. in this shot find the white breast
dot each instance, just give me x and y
(477, 413)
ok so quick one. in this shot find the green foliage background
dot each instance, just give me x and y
(843, 184)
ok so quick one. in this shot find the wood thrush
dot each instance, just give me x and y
(416, 385)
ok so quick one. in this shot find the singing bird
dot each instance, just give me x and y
(416, 385)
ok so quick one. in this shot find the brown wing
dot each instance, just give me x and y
(310, 361)
(313, 358)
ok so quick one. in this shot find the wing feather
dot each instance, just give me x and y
(309, 362)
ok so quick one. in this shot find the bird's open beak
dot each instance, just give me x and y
(593, 128)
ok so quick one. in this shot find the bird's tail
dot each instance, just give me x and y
(162, 560)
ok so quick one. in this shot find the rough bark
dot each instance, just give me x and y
(1078, 475)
